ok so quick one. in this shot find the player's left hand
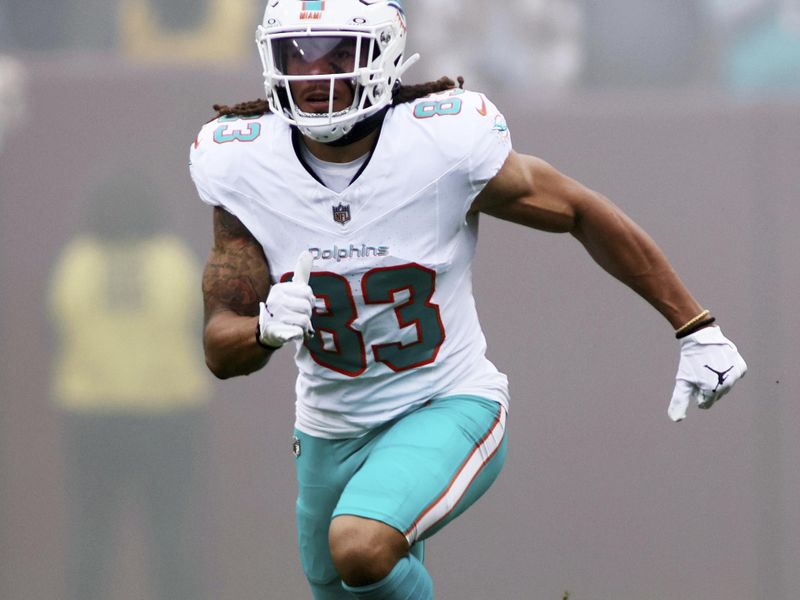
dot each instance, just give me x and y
(709, 366)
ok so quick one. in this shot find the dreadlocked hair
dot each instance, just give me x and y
(251, 108)
(402, 95)
(409, 93)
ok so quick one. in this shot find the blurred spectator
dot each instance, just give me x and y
(759, 43)
(643, 44)
(129, 378)
(524, 46)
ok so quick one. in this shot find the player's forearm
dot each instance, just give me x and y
(230, 345)
(625, 251)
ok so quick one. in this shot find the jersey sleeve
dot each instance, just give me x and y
(218, 157)
(491, 141)
(201, 167)
(465, 135)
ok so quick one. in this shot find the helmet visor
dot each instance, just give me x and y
(320, 55)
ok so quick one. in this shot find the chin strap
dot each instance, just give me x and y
(360, 130)
(363, 128)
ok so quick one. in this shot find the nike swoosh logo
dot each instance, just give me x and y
(482, 110)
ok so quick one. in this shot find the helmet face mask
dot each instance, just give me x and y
(325, 71)
(319, 75)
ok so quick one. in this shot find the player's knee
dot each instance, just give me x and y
(364, 551)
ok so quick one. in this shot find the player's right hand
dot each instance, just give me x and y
(286, 314)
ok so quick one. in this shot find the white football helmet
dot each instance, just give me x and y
(374, 32)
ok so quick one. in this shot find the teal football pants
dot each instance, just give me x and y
(415, 474)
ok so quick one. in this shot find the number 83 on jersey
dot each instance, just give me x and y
(339, 346)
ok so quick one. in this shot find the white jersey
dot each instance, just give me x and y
(395, 322)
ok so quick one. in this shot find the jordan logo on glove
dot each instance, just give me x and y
(721, 375)
(699, 350)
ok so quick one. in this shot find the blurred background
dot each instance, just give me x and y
(127, 473)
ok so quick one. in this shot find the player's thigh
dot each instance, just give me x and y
(429, 466)
(323, 469)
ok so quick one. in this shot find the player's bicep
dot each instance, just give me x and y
(529, 191)
(236, 275)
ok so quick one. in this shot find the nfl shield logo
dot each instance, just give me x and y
(341, 213)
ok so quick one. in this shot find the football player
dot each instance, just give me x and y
(346, 208)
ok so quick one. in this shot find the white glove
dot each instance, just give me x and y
(286, 315)
(709, 366)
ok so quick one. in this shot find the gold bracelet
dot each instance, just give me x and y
(692, 321)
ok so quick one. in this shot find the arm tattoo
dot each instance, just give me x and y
(236, 275)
